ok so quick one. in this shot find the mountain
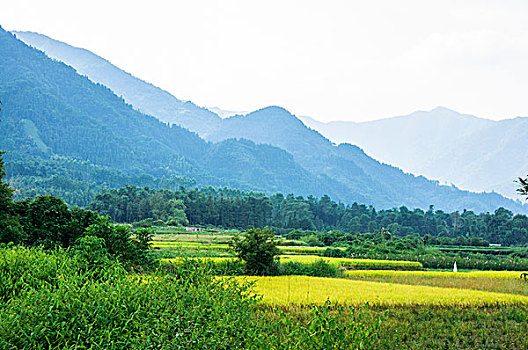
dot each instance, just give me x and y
(62, 130)
(379, 183)
(473, 153)
(144, 96)
(306, 162)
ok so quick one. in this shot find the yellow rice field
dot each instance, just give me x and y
(349, 263)
(492, 281)
(283, 290)
(445, 274)
(309, 259)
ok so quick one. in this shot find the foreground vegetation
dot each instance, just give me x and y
(82, 298)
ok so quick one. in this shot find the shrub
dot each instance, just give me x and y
(335, 253)
(119, 242)
(11, 230)
(318, 268)
(257, 248)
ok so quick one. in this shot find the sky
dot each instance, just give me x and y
(330, 60)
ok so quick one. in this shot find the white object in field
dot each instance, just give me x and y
(455, 269)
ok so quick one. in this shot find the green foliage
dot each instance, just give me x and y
(6, 193)
(257, 248)
(23, 269)
(523, 188)
(10, 228)
(319, 268)
(306, 218)
(91, 251)
(49, 222)
(335, 253)
(48, 300)
(118, 241)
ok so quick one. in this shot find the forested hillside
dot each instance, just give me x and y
(55, 120)
(380, 184)
(64, 134)
(146, 97)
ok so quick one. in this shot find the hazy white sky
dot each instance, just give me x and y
(332, 60)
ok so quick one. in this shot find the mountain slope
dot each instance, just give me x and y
(383, 185)
(473, 153)
(346, 173)
(56, 118)
(144, 96)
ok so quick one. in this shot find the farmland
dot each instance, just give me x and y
(283, 290)
(171, 243)
(406, 305)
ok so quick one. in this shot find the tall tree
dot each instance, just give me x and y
(10, 228)
(523, 189)
(6, 193)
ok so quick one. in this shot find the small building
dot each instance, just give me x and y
(193, 229)
(495, 245)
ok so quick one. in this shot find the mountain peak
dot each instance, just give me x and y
(443, 109)
(274, 110)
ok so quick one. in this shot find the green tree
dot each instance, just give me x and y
(10, 228)
(6, 193)
(257, 248)
(523, 189)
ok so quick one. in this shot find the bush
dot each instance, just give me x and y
(327, 326)
(257, 248)
(47, 221)
(335, 253)
(313, 241)
(119, 242)
(11, 230)
(146, 223)
(319, 268)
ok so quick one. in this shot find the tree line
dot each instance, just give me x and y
(231, 208)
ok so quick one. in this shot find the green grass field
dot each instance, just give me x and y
(211, 244)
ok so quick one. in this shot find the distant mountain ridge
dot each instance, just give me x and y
(474, 153)
(144, 96)
(317, 166)
(53, 119)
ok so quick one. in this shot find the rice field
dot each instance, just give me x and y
(352, 263)
(194, 245)
(214, 259)
(339, 262)
(493, 281)
(286, 290)
(213, 244)
(434, 274)
(188, 237)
